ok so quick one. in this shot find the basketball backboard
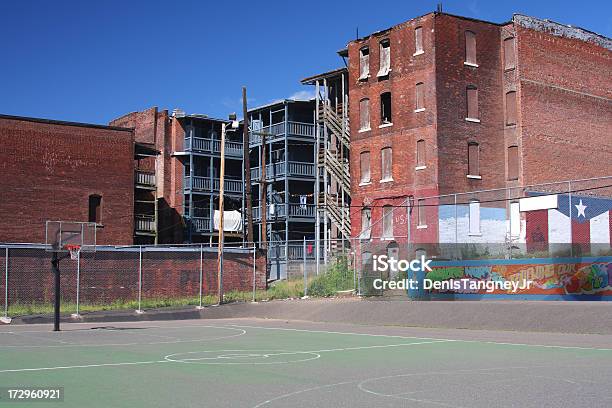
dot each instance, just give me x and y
(62, 236)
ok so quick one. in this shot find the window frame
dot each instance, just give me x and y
(418, 41)
(364, 64)
(419, 97)
(96, 215)
(364, 109)
(421, 214)
(383, 97)
(421, 154)
(511, 108)
(513, 165)
(471, 54)
(383, 70)
(471, 161)
(512, 47)
(366, 213)
(362, 180)
(384, 176)
(387, 223)
(471, 103)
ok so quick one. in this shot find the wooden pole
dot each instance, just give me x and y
(221, 236)
(264, 196)
(247, 168)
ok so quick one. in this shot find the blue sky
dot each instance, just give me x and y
(91, 61)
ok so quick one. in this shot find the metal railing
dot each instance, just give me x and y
(198, 183)
(199, 144)
(201, 224)
(144, 178)
(276, 170)
(279, 210)
(292, 128)
(145, 223)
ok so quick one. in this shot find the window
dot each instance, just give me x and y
(421, 218)
(515, 220)
(386, 157)
(420, 153)
(511, 108)
(95, 208)
(509, 55)
(418, 40)
(366, 223)
(473, 159)
(385, 58)
(474, 217)
(387, 222)
(470, 48)
(420, 97)
(472, 103)
(364, 114)
(364, 63)
(513, 163)
(385, 108)
(364, 167)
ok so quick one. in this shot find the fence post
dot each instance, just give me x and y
(355, 268)
(201, 273)
(254, 270)
(457, 253)
(304, 268)
(78, 285)
(139, 310)
(5, 318)
(569, 194)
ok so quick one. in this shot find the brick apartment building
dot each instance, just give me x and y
(443, 104)
(54, 170)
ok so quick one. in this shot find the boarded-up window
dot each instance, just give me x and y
(511, 108)
(515, 220)
(418, 39)
(420, 153)
(387, 222)
(509, 55)
(473, 159)
(366, 223)
(513, 163)
(474, 217)
(385, 108)
(364, 63)
(385, 58)
(364, 114)
(421, 217)
(470, 47)
(386, 157)
(420, 96)
(472, 102)
(95, 208)
(364, 167)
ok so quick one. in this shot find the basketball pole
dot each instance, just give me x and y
(57, 301)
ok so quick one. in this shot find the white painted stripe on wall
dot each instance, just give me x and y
(600, 232)
(559, 228)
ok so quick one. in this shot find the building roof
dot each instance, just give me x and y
(329, 74)
(64, 123)
(279, 102)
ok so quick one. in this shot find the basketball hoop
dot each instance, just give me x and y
(74, 251)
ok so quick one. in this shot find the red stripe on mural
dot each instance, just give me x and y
(581, 235)
(537, 230)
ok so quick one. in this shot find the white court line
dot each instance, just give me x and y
(17, 370)
(423, 338)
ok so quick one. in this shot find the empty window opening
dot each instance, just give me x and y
(385, 58)
(95, 208)
(385, 108)
(366, 223)
(473, 159)
(364, 63)
(387, 222)
(386, 156)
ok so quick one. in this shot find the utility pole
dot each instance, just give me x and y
(247, 168)
(220, 243)
(264, 188)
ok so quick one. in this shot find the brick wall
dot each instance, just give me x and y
(49, 170)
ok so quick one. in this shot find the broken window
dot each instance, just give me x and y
(420, 153)
(95, 208)
(511, 108)
(473, 159)
(364, 63)
(364, 114)
(474, 217)
(366, 223)
(386, 164)
(364, 167)
(472, 102)
(421, 218)
(387, 222)
(418, 40)
(470, 48)
(385, 58)
(420, 96)
(509, 55)
(385, 108)
(513, 163)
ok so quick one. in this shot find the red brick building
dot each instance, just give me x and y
(443, 104)
(54, 170)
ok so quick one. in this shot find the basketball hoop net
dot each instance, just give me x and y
(74, 251)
